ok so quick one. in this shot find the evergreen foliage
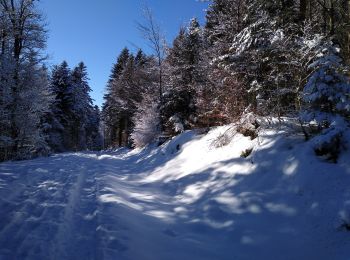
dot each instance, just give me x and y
(270, 58)
(39, 113)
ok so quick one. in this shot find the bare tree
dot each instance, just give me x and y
(151, 31)
(25, 26)
(23, 38)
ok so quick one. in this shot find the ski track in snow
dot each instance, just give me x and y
(44, 210)
(163, 204)
(75, 206)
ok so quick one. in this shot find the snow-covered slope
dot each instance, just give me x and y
(194, 197)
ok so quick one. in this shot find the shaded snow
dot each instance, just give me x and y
(187, 199)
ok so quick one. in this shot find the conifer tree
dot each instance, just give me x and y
(185, 74)
(81, 106)
(111, 110)
(58, 120)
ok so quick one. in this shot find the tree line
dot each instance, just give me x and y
(41, 110)
(267, 57)
(270, 58)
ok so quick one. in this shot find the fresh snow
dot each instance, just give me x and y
(192, 198)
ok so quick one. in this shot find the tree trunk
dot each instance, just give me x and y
(345, 32)
(303, 10)
(120, 133)
(325, 20)
(332, 19)
(3, 42)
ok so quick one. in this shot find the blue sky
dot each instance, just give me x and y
(95, 31)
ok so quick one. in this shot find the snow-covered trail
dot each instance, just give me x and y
(185, 200)
(47, 209)
(87, 206)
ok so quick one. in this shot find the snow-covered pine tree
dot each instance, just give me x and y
(222, 97)
(263, 68)
(185, 75)
(111, 110)
(131, 77)
(69, 123)
(93, 133)
(224, 19)
(327, 92)
(81, 106)
(58, 120)
(327, 101)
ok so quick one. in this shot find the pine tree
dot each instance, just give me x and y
(69, 124)
(185, 75)
(81, 106)
(58, 120)
(111, 110)
(225, 18)
(93, 133)
(326, 93)
(222, 97)
(131, 78)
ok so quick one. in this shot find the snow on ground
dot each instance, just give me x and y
(188, 199)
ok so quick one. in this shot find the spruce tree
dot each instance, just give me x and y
(81, 106)
(178, 104)
(112, 109)
(59, 118)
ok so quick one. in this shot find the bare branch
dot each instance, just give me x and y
(151, 31)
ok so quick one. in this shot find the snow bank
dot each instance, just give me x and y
(281, 202)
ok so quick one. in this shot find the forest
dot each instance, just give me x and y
(285, 58)
(231, 140)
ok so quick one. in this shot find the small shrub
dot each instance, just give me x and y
(224, 138)
(246, 153)
(248, 132)
(249, 126)
(330, 149)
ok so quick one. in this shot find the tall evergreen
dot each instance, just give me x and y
(72, 112)
(185, 75)
(58, 120)
(131, 77)
(111, 110)
(251, 56)
(81, 107)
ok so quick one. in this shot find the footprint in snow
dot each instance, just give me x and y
(170, 233)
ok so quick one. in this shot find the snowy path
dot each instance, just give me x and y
(75, 206)
(199, 203)
(45, 206)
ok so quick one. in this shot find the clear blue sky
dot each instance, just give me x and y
(95, 31)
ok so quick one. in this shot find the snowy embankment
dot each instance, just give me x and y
(194, 197)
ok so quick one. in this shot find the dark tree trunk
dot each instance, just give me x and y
(303, 10)
(345, 31)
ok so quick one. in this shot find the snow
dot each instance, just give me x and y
(190, 198)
